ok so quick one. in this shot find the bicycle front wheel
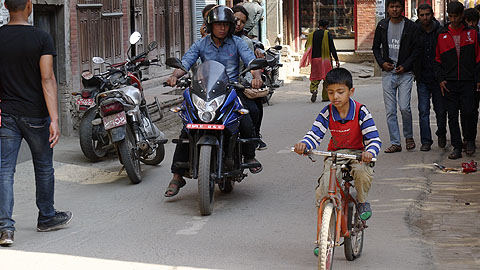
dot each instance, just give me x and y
(326, 241)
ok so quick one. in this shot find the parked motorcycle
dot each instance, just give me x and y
(94, 141)
(211, 114)
(127, 118)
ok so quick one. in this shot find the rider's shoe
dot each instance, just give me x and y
(364, 210)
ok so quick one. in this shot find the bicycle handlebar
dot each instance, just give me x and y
(331, 154)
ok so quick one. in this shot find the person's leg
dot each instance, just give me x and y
(258, 125)
(247, 130)
(363, 176)
(453, 106)
(324, 180)
(467, 109)
(424, 93)
(390, 100)
(36, 132)
(404, 96)
(314, 86)
(181, 154)
(440, 109)
(324, 92)
(11, 138)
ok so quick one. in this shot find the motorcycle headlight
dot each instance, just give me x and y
(206, 110)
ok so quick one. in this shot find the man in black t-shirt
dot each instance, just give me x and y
(28, 94)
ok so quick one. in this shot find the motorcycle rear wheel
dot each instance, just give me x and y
(157, 156)
(90, 144)
(126, 150)
(206, 185)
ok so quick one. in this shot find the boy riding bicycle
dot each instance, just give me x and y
(353, 131)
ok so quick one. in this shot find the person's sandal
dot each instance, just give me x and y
(456, 154)
(254, 170)
(178, 185)
(393, 148)
(409, 144)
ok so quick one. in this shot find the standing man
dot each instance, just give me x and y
(28, 92)
(255, 14)
(395, 49)
(427, 86)
(457, 69)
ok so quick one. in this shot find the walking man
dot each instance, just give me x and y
(457, 69)
(427, 86)
(395, 50)
(28, 92)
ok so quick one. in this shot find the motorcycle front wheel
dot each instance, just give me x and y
(126, 150)
(206, 185)
(91, 142)
(155, 158)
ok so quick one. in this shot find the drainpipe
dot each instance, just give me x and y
(193, 21)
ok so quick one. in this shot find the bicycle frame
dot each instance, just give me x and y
(340, 199)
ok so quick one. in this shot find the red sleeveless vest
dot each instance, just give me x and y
(345, 136)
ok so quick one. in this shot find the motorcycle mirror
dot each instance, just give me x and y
(278, 47)
(152, 46)
(175, 63)
(135, 37)
(98, 60)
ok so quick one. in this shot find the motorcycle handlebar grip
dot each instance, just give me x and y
(154, 60)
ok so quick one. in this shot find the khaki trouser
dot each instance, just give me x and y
(361, 173)
(314, 88)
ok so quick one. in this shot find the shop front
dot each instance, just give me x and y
(339, 14)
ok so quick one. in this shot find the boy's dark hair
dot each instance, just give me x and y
(425, 6)
(471, 15)
(339, 76)
(394, 1)
(477, 7)
(207, 9)
(15, 5)
(323, 23)
(455, 8)
(236, 2)
(241, 9)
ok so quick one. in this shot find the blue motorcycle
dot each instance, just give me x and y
(211, 113)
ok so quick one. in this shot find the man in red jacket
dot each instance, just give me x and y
(457, 70)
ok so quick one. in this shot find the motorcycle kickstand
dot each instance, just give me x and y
(121, 170)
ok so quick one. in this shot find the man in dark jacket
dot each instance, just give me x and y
(457, 69)
(395, 49)
(427, 86)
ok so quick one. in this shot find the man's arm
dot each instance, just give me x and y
(49, 86)
(377, 41)
(414, 52)
(314, 137)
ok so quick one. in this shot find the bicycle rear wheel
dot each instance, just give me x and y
(326, 241)
(353, 245)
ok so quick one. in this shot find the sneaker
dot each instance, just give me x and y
(442, 141)
(364, 210)
(315, 251)
(261, 145)
(60, 220)
(6, 238)
(425, 147)
(314, 96)
(456, 154)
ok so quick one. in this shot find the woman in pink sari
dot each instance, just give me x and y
(320, 48)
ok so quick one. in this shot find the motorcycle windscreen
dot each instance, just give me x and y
(210, 80)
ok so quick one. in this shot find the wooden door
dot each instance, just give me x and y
(140, 24)
(89, 34)
(160, 21)
(174, 29)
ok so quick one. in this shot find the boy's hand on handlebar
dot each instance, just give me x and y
(367, 157)
(300, 148)
(172, 80)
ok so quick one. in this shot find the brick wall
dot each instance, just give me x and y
(365, 24)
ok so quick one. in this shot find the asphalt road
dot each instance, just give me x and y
(267, 222)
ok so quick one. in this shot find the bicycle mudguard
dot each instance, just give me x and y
(118, 133)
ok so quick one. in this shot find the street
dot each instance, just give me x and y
(267, 222)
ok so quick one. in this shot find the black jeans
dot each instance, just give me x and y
(461, 97)
(475, 117)
(182, 150)
(255, 108)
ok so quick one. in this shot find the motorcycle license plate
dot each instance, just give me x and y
(85, 101)
(205, 126)
(114, 120)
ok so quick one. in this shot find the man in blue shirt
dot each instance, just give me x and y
(223, 47)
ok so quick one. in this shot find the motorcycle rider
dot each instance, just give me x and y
(221, 46)
(251, 98)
